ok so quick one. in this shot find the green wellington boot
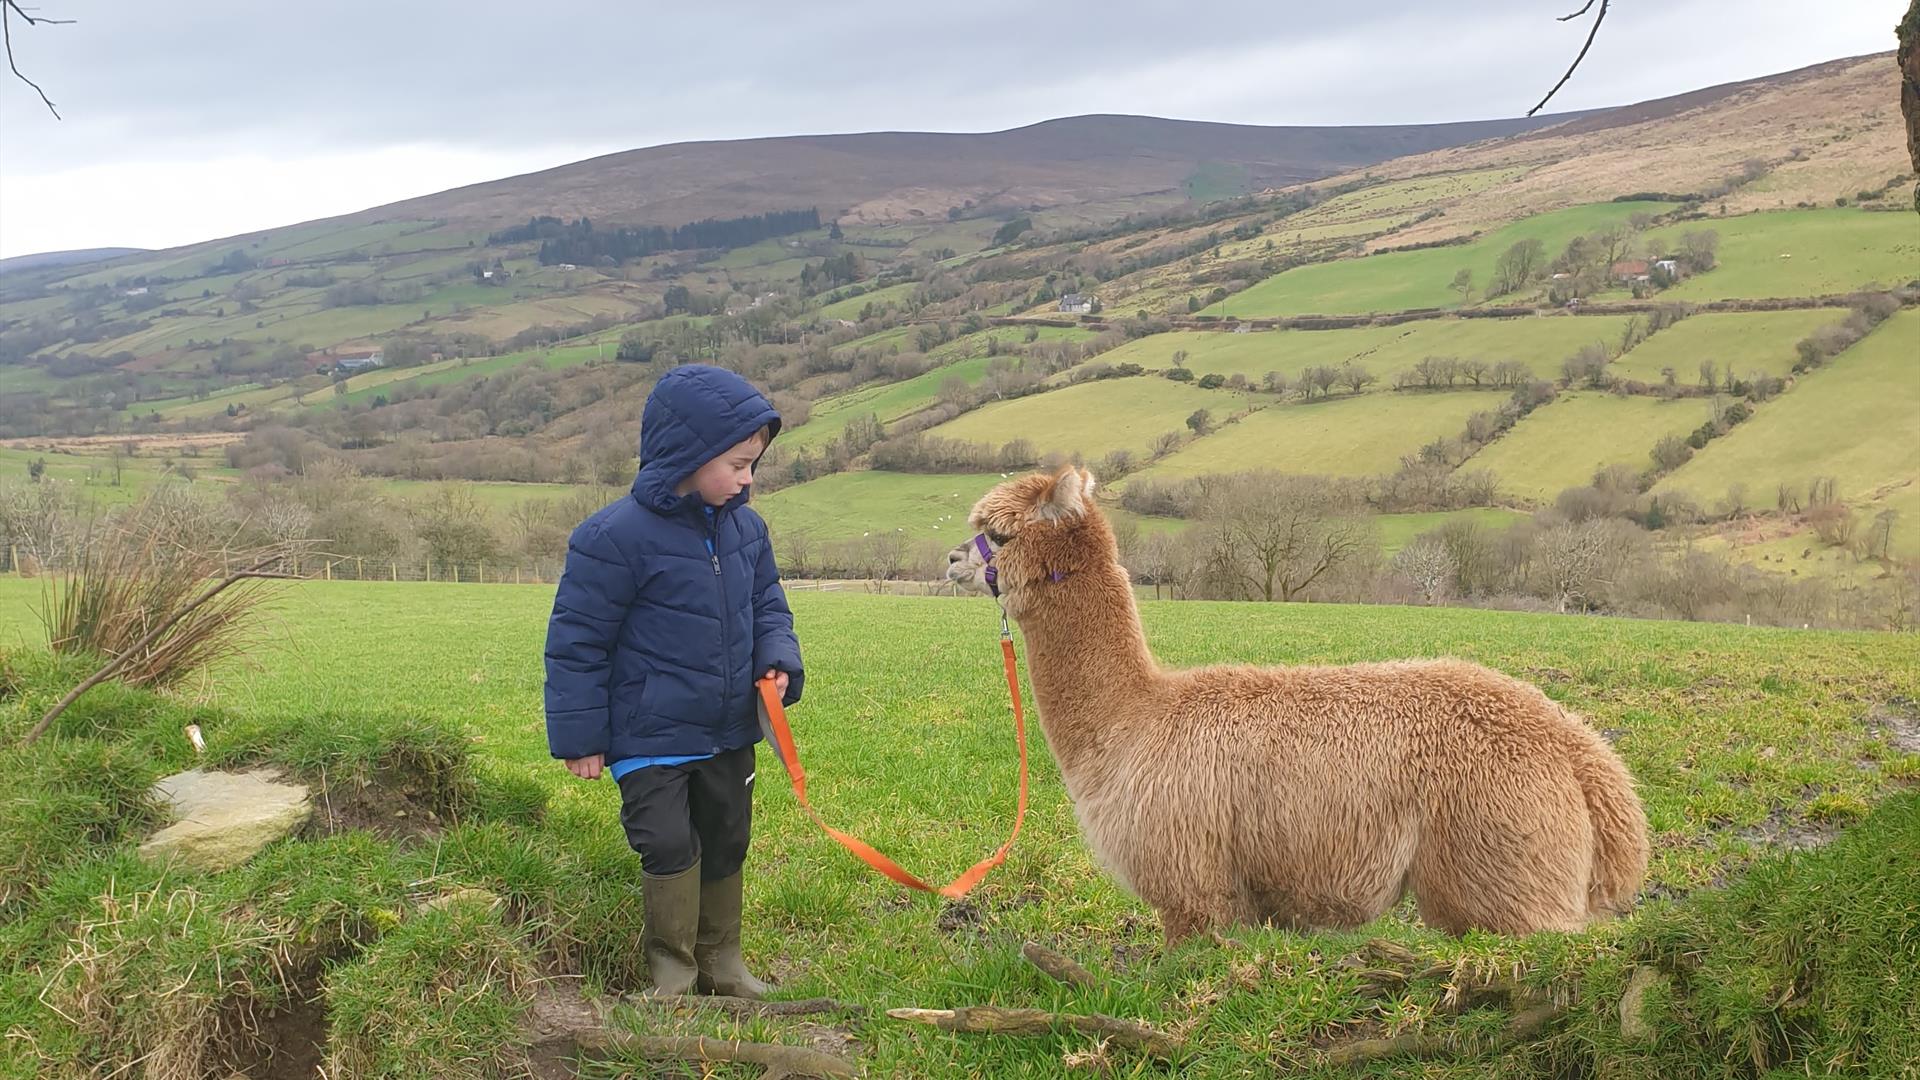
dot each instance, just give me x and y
(722, 971)
(672, 925)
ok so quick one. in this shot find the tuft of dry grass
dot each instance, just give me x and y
(148, 570)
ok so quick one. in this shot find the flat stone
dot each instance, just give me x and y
(222, 819)
(1633, 1022)
(461, 896)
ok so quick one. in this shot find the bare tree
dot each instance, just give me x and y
(886, 551)
(1699, 249)
(1463, 284)
(39, 522)
(1321, 378)
(798, 547)
(1357, 378)
(1671, 452)
(1149, 559)
(1880, 534)
(1279, 534)
(1470, 551)
(1518, 266)
(1576, 560)
(1429, 565)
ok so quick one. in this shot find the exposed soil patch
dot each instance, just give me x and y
(1898, 722)
(558, 1010)
(289, 1043)
(958, 915)
(1783, 829)
(388, 807)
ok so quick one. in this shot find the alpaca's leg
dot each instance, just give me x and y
(1509, 859)
(1179, 924)
(1193, 901)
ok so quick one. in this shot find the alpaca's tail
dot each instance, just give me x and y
(1619, 827)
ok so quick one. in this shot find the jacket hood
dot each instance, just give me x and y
(695, 413)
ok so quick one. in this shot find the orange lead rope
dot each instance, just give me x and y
(773, 721)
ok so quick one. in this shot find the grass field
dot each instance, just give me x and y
(898, 339)
(1540, 342)
(1407, 194)
(1803, 253)
(1733, 736)
(1010, 338)
(1562, 444)
(24, 378)
(888, 401)
(1411, 279)
(1744, 342)
(1362, 435)
(1398, 530)
(851, 307)
(848, 505)
(1297, 231)
(1856, 420)
(1092, 418)
(91, 475)
(495, 495)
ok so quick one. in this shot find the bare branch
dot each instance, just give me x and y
(1591, 34)
(1575, 15)
(994, 1020)
(12, 7)
(1057, 965)
(256, 570)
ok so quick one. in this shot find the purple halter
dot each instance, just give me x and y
(992, 574)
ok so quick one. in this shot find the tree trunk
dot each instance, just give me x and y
(1908, 57)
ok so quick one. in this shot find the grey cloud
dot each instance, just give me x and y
(172, 82)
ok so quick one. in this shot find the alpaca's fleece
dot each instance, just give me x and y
(1311, 796)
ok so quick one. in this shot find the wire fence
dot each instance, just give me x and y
(325, 567)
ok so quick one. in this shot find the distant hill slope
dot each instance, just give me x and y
(893, 176)
(1805, 137)
(48, 259)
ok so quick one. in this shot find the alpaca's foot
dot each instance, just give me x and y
(1177, 927)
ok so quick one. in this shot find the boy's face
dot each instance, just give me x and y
(724, 477)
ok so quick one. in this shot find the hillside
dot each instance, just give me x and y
(1377, 325)
(893, 177)
(46, 260)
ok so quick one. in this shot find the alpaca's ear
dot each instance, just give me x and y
(1066, 500)
(1087, 483)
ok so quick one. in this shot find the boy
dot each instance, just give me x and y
(668, 609)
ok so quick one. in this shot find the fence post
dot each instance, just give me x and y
(516, 573)
(394, 566)
(483, 571)
(456, 572)
(329, 569)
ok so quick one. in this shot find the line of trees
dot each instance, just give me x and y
(580, 241)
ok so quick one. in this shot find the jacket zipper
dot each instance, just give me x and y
(726, 646)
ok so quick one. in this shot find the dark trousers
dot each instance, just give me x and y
(676, 815)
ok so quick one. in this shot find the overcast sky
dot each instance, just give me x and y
(188, 122)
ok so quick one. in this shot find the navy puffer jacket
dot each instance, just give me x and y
(654, 643)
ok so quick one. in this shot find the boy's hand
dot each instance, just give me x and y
(779, 681)
(586, 768)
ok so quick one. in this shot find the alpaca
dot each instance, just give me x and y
(1309, 797)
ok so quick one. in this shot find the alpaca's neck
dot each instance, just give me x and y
(1089, 661)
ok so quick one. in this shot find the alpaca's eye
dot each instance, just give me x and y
(994, 538)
